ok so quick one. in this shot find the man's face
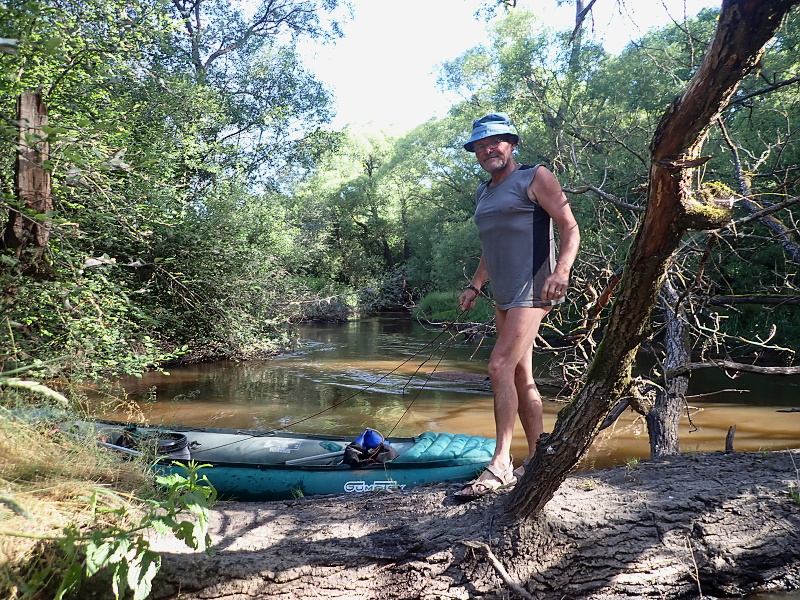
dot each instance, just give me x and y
(493, 153)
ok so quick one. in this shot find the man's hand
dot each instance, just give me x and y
(466, 301)
(555, 286)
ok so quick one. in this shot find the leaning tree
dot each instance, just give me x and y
(674, 207)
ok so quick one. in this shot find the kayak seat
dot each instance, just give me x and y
(452, 447)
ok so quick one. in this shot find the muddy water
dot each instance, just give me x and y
(386, 374)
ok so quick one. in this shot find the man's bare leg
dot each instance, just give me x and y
(530, 402)
(510, 366)
(511, 372)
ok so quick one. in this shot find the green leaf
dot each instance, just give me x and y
(53, 44)
(70, 582)
(141, 572)
(164, 524)
(185, 531)
(97, 555)
(195, 501)
(123, 546)
(119, 579)
(170, 480)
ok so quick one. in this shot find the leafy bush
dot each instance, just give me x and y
(442, 307)
(87, 320)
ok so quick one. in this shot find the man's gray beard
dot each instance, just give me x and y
(502, 166)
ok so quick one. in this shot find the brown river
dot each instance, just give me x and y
(389, 374)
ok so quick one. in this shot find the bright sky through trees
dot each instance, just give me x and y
(385, 69)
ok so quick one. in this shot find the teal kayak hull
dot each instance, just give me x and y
(259, 483)
(250, 465)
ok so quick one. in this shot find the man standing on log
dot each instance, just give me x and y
(514, 215)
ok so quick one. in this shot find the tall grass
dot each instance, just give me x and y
(46, 478)
(74, 516)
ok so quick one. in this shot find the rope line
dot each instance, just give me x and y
(419, 391)
(447, 328)
(364, 389)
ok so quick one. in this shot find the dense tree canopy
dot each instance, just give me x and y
(167, 187)
(200, 200)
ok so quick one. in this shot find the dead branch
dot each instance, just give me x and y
(615, 414)
(762, 91)
(766, 299)
(730, 365)
(605, 196)
(498, 566)
(602, 301)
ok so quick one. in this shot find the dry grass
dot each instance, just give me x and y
(46, 481)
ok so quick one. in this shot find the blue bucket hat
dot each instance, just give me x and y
(491, 124)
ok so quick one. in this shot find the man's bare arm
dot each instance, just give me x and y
(545, 189)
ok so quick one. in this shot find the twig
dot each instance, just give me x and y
(501, 570)
(722, 391)
(696, 570)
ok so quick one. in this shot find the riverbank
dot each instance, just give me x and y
(708, 524)
(711, 525)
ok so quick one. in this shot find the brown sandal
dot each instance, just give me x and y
(480, 487)
(520, 470)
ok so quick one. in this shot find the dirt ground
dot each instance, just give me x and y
(694, 525)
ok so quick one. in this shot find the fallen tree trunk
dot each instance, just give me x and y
(678, 527)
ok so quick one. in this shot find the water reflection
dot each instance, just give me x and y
(396, 376)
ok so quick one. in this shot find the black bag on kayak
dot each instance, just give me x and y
(368, 449)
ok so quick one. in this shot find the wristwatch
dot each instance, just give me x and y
(473, 288)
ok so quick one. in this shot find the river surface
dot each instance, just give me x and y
(394, 375)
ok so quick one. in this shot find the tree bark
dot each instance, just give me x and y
(664, 416)
(743, 28)
(33, 183)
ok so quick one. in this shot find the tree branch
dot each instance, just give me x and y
(498, 566)
(754, 299)
(730, 365)
(580, 17)
(605, 196)
(766, 90)
(764, 212)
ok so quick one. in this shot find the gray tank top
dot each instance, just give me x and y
(517, 239)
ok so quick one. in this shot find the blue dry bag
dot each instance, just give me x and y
(368, 449)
